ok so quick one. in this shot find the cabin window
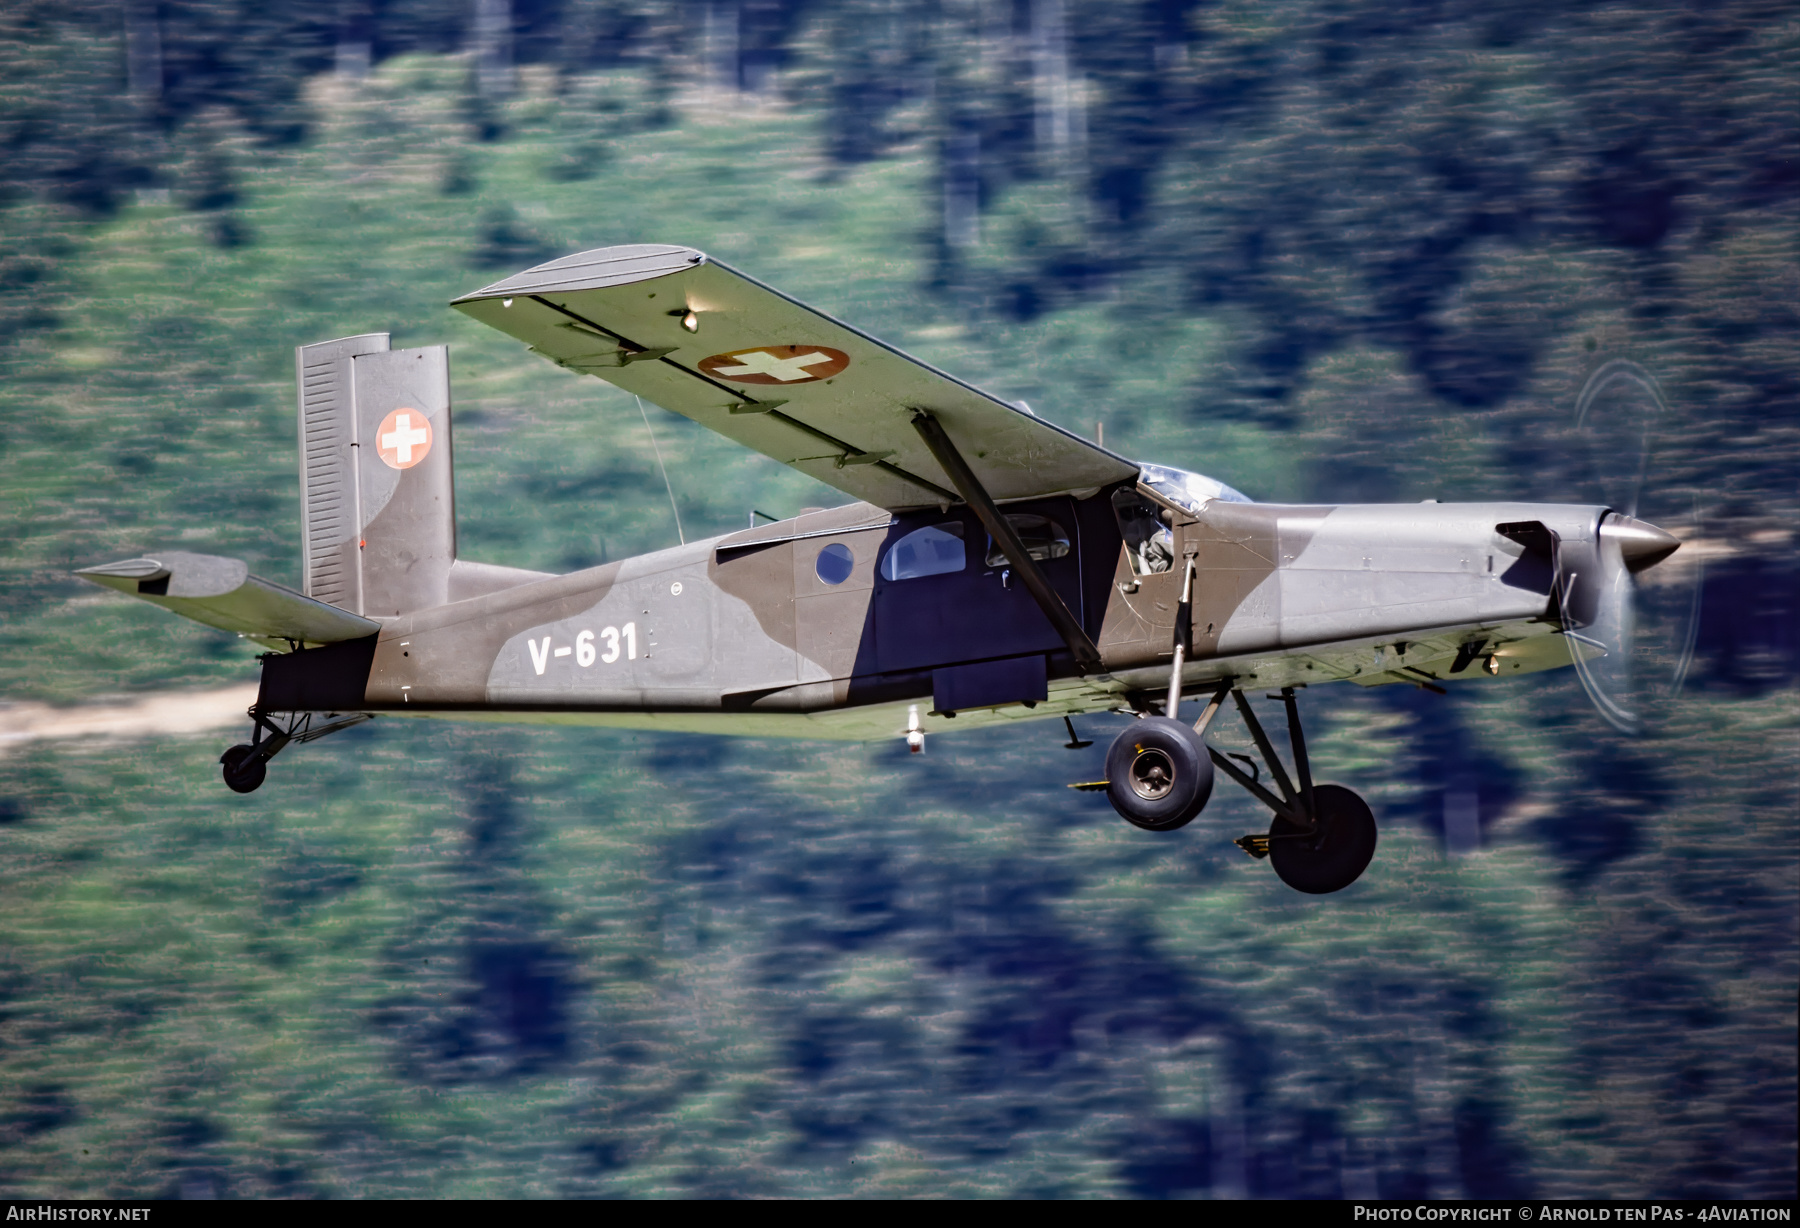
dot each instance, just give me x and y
(835, 563)
(932, 551)
(1148, 542)
(1043, 539)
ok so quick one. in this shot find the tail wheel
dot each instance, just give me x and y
(1158, 773)
(1335, 854)
(240, 778)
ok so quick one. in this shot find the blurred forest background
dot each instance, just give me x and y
(1322, 250)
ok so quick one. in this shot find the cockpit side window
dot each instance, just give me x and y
(1148, 541)
(935, 550)
(1041, 536)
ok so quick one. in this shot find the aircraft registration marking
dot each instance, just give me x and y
(620, 641)
(404, 439)
(777, 364)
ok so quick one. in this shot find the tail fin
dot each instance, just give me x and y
(378, 508)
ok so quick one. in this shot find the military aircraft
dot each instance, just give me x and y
(994, 568)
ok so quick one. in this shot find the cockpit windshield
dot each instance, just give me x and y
(1189, 490)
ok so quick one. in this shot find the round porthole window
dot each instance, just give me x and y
(835, 563)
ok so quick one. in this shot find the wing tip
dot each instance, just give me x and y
(597, 268)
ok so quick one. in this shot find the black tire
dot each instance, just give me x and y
(240, 779)
(1337, 855)
(1159, 774)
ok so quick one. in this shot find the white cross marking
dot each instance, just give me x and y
(761, 362)
(403, 437)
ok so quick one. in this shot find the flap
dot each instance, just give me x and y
(742, 359)
(222, 593)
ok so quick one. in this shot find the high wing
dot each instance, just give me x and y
(702, 339)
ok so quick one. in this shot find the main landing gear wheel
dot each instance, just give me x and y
(1158, 774)
(240, 778)
(1335, 854)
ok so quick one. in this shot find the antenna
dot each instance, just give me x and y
(679, 535)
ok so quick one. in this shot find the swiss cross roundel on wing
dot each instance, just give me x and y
(777, 364)
(403, 439)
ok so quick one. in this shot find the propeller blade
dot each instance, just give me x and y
(1634, 633)
(1606, 674)
(1620, 404)
(1689, 635)
(1669, 604)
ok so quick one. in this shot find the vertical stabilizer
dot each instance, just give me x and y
(379, 520)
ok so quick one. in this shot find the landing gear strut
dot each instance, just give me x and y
(245, 765)
(1157, 774)
(1323, 836)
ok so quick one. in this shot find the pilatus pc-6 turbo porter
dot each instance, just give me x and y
(993, 568)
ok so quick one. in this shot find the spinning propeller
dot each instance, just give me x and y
(1634, 635)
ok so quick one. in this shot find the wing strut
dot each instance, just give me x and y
(1087, 656)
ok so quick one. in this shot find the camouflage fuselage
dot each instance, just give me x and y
(749, 633)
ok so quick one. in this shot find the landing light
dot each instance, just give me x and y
(690, 321)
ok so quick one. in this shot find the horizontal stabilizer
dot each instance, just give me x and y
(222, 593)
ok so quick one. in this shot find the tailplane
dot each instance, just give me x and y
(222, 593)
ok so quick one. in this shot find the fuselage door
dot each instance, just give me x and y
(1140, 612)
(945, 593)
